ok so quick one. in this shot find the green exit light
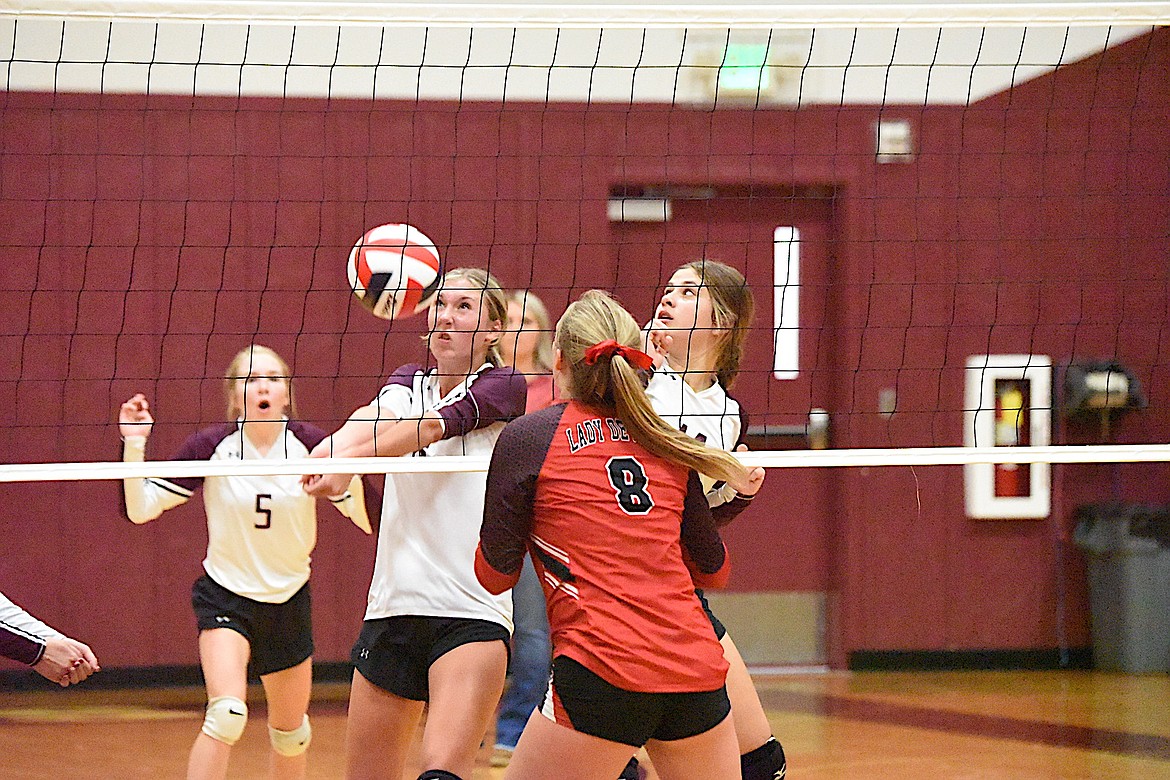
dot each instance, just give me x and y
(743, 68)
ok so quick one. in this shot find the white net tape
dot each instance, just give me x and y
(910, 456)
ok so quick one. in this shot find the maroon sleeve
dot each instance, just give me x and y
(404, 375)
(20, 646)
(307, 433)
(743, 424)
(511, 491)
(495, 395)
(702, 546)
(198, 446)
(729, 510)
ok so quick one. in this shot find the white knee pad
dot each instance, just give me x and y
(225, 719)
(291, 743)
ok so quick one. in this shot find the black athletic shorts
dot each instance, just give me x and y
(281, 635)
(584, 702)
(720, 629)
(396, 653)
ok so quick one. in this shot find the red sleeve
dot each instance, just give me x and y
(493, 580)
(714, 580)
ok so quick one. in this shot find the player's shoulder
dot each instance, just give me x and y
(530, 434)
(209, 437)
(308, 434)
(202, 444)
(541, 422)
(406, 374)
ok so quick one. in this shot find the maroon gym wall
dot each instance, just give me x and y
(146, 239)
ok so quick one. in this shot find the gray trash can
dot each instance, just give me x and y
(1128, 552)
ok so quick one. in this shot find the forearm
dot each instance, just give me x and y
(352, 504)
(20, 647)
(407, 435)
(144, 500)
(726, 512)
(353, 439)
(387, 438)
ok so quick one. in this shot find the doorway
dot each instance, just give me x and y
(776, 605)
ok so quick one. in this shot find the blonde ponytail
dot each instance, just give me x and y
(612, 382)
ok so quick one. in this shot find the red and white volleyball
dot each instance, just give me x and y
(394, 271)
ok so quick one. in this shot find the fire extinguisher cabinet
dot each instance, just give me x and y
(1008, 404)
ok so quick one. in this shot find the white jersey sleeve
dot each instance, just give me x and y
(146, 499)
(352, 504)
(13, 617)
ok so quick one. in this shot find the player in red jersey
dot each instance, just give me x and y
(699, 328)
(606, 498)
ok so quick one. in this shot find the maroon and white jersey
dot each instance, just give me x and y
(711, 416)
(430, 521)
(619, 538)
(22, 636)
(261, 529)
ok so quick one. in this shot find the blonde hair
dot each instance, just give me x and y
(239, 370)
(613, 383)
(529, 303)
(733, 307)
(492, 298)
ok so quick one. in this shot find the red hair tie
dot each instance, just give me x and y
(609, 348)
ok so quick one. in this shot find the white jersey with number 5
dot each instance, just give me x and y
(261, 529)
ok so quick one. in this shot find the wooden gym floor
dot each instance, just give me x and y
(834, 726)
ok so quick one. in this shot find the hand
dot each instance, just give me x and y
(66, 661)
(134, 417)
(755, 478)
(753, 483)
(657, 342)
(326, 485)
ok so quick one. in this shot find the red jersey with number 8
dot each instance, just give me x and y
(620, 539)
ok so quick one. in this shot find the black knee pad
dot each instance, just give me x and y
(631, 771)
(438, 774)
(764, 763)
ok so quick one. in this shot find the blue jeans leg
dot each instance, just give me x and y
(531, 654)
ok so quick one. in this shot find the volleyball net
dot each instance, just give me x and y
(953, 216)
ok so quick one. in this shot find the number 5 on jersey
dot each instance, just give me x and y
(263, 510)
